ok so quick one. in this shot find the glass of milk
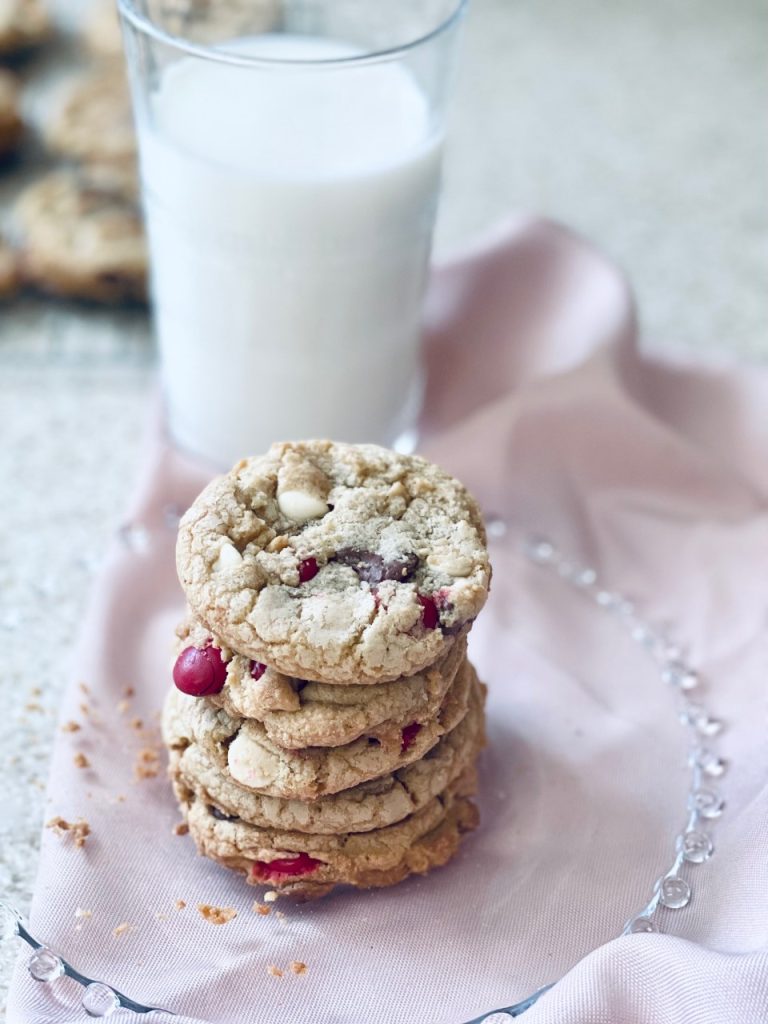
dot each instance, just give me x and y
(290, 162)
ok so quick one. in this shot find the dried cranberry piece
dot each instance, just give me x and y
(308, 569)
(258, 668)
(371, 567)
(410, 732)
(430, 617)
(301, 864)
(200, 671)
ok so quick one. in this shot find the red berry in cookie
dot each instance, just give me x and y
(308, 569)
(429, 614)
(200, 671)
(258, 668)
(285, 867)
(410, 732)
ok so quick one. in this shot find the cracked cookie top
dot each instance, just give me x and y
(336, 563)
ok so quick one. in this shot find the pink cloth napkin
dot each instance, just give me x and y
(654, 474)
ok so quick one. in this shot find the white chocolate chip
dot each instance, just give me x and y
(450, 562)
(302, 489)
(249, 763)
(229, 558)
(301, 506)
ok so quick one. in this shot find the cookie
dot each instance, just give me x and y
(94, 120)
(368, 806)
(101, 33)
(335, 563)
(11, 125)
(297, 714)
(309, 866)
(210, 21)
(9, 271)
(82, 237)
(242, 747)
(24, 24)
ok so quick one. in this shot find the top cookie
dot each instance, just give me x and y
(100, 32)
(334, 562)
(24, 24)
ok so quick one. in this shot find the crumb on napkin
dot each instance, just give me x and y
(271, 896)
(181, 828)
(81, 761)
(180, 904)
(260, 908)
(298, 967)
(70, 727)
(216, 915)
(80, 829)
(147, 764)
(274, 971)
(122, 929)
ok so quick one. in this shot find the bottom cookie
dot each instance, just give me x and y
(307, 867)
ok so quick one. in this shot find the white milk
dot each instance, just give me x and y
(290, 216)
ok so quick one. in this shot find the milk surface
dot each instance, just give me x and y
(290, 215)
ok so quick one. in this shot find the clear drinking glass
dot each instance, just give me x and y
(290, 164)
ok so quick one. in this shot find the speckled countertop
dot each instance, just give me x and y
(641, 125)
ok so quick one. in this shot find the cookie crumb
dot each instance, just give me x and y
(119, 799)
(298, 967)
(122, 929)
(216, 915)
(83, 688)
(136, 723)
(36, 691)
(85, 709)
(271, 896)
(81, 761)
(70, 727)
(80, 829)
(279, 915)
(274, 971)
(83, 913)
(34, 706)
(147, 764)
(180, 829)
(180, 904)
(122, 706)
(129, 692)
(260, 908)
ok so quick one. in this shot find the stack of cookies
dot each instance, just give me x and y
(326, 722)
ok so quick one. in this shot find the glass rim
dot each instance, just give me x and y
(145, 25)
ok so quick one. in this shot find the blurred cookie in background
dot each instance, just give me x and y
(101, 34)
(93, 121)
(24, 25)
(11, 125)
(211, 21)
(80, 236)
(9, 271)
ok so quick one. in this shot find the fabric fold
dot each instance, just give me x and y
(651, 472)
